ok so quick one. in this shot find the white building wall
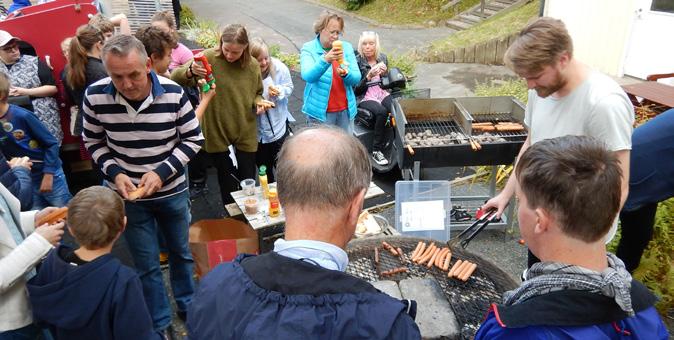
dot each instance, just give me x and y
(600, 30)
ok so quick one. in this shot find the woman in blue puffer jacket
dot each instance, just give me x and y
(330, 73)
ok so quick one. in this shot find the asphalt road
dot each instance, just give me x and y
(288, 23)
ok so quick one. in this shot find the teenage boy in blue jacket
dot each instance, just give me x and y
(23, 135)
(86, 293)
(569, 191)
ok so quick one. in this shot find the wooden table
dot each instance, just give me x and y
(261, 219)
(651, 91)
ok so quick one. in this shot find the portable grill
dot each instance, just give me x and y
(469, 300)
(445, 124)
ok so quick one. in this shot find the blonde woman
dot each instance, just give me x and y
(272, 124)
(373, 64)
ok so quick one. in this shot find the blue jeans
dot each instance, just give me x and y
(59, 195)
(171, 216)
(339, 119)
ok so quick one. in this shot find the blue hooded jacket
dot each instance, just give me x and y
(274, 297)
(574, 314)
(318, 74)
(100, 300)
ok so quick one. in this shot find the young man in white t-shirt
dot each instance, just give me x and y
(566, 97)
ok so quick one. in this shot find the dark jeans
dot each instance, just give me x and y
(636, 228)
(30, 332)
(266, 155)
(170, 215)
(380, 112)
(229, 177)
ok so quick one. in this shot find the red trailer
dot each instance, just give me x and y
(43, 27)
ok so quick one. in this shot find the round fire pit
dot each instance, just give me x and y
(469, 300)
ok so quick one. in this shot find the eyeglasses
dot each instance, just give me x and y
(335, 33)
(8, 48)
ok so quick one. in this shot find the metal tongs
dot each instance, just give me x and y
(488, 217)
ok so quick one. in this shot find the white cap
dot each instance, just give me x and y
(5, 38)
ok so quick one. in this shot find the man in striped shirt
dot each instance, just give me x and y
(141, 131)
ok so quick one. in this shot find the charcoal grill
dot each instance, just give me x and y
(469, 300)
(451, 119)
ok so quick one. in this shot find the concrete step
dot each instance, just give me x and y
(470, 18)
(457, 25)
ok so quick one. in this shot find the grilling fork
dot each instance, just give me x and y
(487, 218)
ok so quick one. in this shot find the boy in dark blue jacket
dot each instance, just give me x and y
(86, 293)
(23, 135)
(569, 194)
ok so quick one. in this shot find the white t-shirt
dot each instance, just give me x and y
(597, 108)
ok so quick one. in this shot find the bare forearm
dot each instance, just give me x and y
(41, 91)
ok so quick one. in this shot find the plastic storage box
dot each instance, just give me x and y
(423, 209)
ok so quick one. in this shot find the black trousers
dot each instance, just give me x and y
(636, 230)
(230, 177)
(197, 168)
(380, 112)
(267, 155)
(176, 11)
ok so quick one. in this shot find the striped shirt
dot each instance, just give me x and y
(161, 136)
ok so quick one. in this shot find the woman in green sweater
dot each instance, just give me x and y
(230, 118)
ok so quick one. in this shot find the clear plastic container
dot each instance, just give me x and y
(423, 209)
(248, 186)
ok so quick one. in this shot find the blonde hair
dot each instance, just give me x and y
(325, 18)
(237, 34)
(96, 216)
(257, 46)
(366, 36)
(538, 45)
(102, 23)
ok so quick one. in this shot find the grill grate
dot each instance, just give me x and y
(469, 300)
(497, 117)
(442, 132)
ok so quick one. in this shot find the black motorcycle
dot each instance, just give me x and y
(395, 82)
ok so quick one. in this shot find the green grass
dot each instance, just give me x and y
(511, 87)
(500, 25)
(405, 12)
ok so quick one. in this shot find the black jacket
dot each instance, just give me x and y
(364, 68)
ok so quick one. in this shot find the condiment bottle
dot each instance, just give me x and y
(263, 181)
(274, 204)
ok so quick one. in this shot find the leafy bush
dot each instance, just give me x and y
(353, 5)
(655, 269)
(404, 62)
(187, 16)
(203, 32)
(292, 60)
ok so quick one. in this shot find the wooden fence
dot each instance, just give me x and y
(488, 53)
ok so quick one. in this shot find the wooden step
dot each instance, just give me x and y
(457, 25)
(487, 13)
(470, 18)
(495, 6)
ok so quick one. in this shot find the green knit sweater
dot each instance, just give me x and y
(230, 116)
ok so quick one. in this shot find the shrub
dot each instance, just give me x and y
(292, 60)
(510, 87)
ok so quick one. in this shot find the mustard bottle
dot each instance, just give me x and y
(264, 184)
(274, 204)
